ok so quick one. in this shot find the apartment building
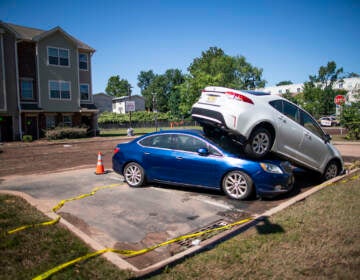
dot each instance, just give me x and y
(45, 81)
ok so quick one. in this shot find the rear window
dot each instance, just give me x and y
(257, 93)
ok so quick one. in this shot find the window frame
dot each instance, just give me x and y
(87, 61)
(67, 123)
(59, 82)
(88, 91)
(58, 64)
(32, 88)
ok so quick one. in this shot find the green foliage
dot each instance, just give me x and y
(161, 92)
(27, 138)
(118, 87)
(350, 119)
(215, 68)
(284, 83)
(66, 133)
(139, 116)
(318, 94)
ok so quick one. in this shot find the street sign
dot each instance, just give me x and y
(339, 99)
(130, 106)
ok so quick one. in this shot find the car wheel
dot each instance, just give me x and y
(331, 170)
(134, 174)
(259, 144)
(237, 185)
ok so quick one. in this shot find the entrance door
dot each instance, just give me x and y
(31, 126)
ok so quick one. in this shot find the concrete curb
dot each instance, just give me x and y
(205, 245)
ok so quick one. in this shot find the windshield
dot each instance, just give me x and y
(227, 143)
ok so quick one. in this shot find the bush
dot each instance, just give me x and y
(65, 133)
(27, 138)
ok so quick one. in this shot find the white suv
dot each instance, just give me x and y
(264, 123)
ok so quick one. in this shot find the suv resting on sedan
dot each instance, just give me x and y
(262, 123)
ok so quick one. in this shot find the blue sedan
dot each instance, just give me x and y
(189, 158)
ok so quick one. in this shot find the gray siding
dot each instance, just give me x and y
(2, 76)
(56, 73)
(10, 73)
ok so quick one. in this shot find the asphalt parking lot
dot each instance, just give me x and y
(129, 218)
(134, 218)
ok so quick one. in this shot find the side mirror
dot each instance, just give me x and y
(203, 151)
(327, 138)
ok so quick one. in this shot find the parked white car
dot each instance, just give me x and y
(328, 121)
(264, 123)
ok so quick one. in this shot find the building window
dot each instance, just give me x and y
(27, 89)
(298, 89)
(287, 90)
(341, 85)
(59, 90)
(280, 90)
(67, 120)
(58, 56)
(83, 61)
(50, 122)
(84, 92)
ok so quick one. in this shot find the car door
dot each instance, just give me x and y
(194, 169)
(289, 131)
(313, 147)
(158, 157)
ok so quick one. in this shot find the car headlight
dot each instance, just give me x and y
(271, 168)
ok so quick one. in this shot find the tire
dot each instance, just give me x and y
(237, 185)
(331, 170)
(259, 144)
(134, 174)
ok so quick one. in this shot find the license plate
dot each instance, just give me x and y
(211, 98)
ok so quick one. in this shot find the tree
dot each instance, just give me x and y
(284, 83)
(215, 68)
(145, 78)
(161, 91)
(318, 91)
(118, 87)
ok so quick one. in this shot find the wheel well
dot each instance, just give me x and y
(338, 163)
(268, 126)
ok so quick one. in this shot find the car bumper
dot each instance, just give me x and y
(271, 185)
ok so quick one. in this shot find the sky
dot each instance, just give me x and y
(288, 39)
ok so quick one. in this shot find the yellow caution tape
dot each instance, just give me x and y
(131, 253)
(58, 206)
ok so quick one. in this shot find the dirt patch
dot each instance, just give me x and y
(44, 156)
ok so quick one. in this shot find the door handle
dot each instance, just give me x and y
(307, 134)
(179, 157)
(146, 153)
(282, 118)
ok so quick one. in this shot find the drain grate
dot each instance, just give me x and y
(190, 242)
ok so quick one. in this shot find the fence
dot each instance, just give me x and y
(147, 124)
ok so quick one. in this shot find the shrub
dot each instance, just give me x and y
(65, 133)
(27, 138)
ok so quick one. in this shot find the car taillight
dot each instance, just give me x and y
(116, 150)
(240, 97)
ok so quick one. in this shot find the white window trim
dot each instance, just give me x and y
(87, 62)
(58, 65)
(88, 85)
(31, 80)
(59, 99)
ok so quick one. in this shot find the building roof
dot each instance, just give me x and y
(125, 98)
(34, 34)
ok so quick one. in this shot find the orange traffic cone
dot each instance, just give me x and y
(99, 167)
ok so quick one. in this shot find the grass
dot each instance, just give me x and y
(317, 238)
(29, 253)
